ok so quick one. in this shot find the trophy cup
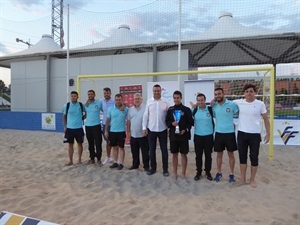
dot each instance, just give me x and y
(177, 116)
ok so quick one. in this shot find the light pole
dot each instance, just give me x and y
(25, 42)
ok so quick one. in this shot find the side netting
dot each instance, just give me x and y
(231, 80)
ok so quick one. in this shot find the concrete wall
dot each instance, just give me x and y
(28, 86)
(29, 79)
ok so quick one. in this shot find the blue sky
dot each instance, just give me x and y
(29, 19)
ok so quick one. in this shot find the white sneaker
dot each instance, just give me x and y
(106, 160)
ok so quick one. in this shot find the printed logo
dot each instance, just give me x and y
(287, 133)
(48, 119)
(165, 93)
(208, 114)
(96, 107)
(228, 110)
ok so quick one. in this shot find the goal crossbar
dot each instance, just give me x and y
(267, 69)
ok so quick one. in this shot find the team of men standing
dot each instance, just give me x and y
(145, 123)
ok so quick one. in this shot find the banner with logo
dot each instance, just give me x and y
(286, 132)
(48, 121)
(128, 91)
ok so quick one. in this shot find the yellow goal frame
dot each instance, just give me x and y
(267, 69)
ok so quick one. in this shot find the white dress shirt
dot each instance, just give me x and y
(155, 115)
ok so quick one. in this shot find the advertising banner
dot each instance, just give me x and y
(128, 91)
(48, 121)
(286, 132)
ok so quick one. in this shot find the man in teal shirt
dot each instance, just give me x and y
(93, 127)
(73, 115)
(116, 119)
(224, 111)
(203, 136)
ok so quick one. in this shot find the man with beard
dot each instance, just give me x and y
(223, 111)
(116, 118)
(154, 124)
(107, 102)
(203, 136)
(73, 115)
(93, 127)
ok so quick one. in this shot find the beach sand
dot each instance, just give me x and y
(35, 183)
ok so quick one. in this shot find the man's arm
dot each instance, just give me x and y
(145, 120)
(107, 123)
(169, 118)
(64, 122)
(128, 128)
(190, 119)
(84, 112)
(267, 126)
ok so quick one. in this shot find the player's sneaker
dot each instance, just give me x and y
(218, 177)
(231, 178)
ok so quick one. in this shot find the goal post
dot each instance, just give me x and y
(268, 91)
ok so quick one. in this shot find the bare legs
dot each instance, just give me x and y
(252, 178)
(71, 153)
(220, 161)
(118, 154)
(231, 161)
(108, 149)
(184, 161)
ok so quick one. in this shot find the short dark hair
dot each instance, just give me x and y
(157, 85)
(91, 91)
(74, 92)
(118, 95)
(201, 95)
(219, 89)
(177, 93)
(106, 89)
(247, 86)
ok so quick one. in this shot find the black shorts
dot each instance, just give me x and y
(103, 132)
(225, 141)
(72, 134)
(117, 139)
(181, 146)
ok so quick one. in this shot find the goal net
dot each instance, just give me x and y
(232, 80)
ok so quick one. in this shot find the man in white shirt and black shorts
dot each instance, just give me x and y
(251, 111)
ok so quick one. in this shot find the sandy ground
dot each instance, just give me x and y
(34, 182)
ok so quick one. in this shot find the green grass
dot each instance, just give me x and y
(286, 112)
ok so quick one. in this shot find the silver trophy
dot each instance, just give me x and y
(177, 116)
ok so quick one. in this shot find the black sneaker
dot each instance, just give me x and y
(120, 166)
(150, 172)
(133, 168)
(208, 176)
(165, 173)
(115, 165)
(198, 176)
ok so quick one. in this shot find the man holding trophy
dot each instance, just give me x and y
(179, 121)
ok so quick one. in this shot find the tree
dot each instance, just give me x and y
(2, 86)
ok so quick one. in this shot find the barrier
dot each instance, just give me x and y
(8, 218)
